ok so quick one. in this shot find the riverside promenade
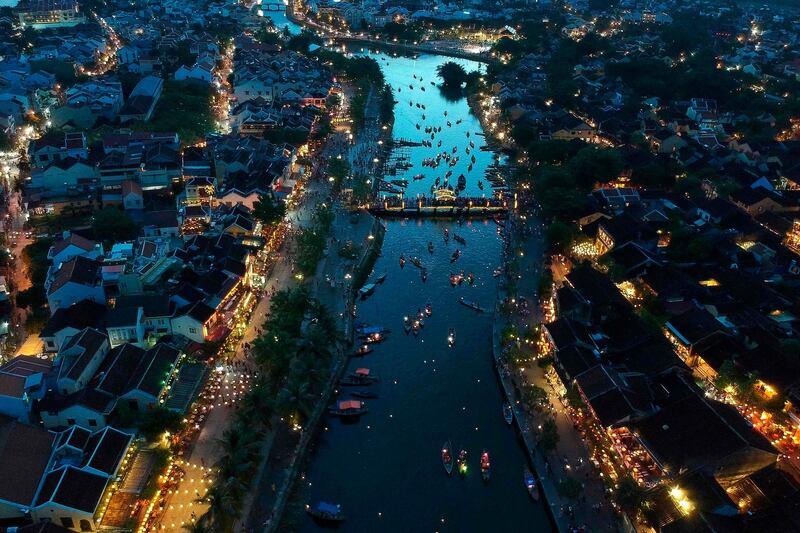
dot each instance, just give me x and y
(591, 510)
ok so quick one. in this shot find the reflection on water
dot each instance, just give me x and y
(454, 133)
(385, 470)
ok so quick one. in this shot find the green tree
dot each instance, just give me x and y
(592, 165)
(560, 236)
(453, 75)
(268, 210)
(112, 225)
(630, 495)
(570, 488)
(548, 440)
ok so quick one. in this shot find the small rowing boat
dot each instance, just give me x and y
(459, 239)
(530, 483)
(366, 290)
(428, 309)
(455, 256)
(462, 462)
(362, 350)
(447, 457)
(471, 305)
(486, 466)
(508, 413)
(451, 337)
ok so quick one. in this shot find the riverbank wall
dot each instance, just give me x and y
(339, 298)
(547, 487)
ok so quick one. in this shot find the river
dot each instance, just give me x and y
(385, 469)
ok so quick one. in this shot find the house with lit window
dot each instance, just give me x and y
(131, 376)
(73, 281)
(61, 478)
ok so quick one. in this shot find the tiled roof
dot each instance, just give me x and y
(77, 270)
(24, 454)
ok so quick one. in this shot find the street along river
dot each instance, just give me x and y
(385, 469)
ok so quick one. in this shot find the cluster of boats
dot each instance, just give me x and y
(457, 279)
(460, 462)
(416, 322)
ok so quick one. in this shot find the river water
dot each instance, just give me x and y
(385, 469)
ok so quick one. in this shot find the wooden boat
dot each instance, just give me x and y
(430, 247)
(451, 337)
(362, 350)
(399, 183)
(402, 261)
(530, 483)
(446, 234)
(471, 305)
(428, 309)
(416, 262)
(366, 290)
(480, 185)
(424, 275)
(364, 329)
(373, 338)
(380, 279)
(486, 466)
(508, 413)
(407, 324)
(347, 408)
(471, 278)
(455, 256)
(462, 182)
(364, 394)
(326, 512)
(357, 378)
(459, 239)
(447, 457)
(462, 462)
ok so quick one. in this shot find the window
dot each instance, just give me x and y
(133, 405)
(67, 522)
(192, 330)
(92, 422)
(86, 525)
(70, 421)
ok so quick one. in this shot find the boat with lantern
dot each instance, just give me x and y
(530, 483)
(447, 457)
(486, 466)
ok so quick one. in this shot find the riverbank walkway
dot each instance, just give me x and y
(570, 458)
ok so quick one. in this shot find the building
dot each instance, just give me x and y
(42, 14)
(73, 245)
(18, 378)
(127, 377)
(75, 280)
(142, 100)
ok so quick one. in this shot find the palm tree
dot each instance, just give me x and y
(240, 446)
(224, 501)
(258, 406)
(296, 396)
(201, 525)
